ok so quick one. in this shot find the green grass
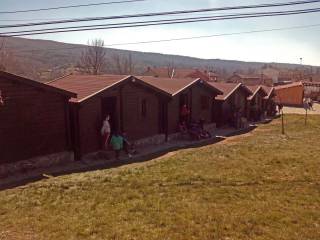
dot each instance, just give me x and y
(262, 185)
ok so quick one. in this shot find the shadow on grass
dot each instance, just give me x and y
(117, 163)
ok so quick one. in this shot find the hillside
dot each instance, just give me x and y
(44, 60)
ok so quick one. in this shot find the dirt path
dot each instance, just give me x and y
(295, 110)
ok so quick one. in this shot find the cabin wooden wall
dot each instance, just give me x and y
(224, 110)
(291, 96)
(138, 122)
(200, 109)
(130, 118)
(33, 122)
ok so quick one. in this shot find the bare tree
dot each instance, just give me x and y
(122, 64)
(8, 62)
(93, 58)
(170, 69)
(2, 54)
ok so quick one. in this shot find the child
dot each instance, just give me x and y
(105, 132)
(116, 143)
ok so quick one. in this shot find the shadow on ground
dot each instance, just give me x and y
(109, 164)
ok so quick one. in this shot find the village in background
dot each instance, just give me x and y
(44, 60)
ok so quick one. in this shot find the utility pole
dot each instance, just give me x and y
(306, 106)
(301, 69)
(282, 122)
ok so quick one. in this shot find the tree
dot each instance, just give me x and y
(122, 64)
(93, 58)
(8, 62)
(2, 54)
(170, 69)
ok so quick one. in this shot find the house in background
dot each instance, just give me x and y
(134, 107)
(34, 119)
(290, 94)
(251, 80)
(198, 95)
(231, 105)
(271, 72)
(312, 90)
(170, 72)
(255, 102)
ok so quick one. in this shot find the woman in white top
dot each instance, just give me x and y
(105, 131)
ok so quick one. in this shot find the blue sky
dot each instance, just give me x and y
(280, 46)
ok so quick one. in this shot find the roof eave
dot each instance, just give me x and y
(37, 84)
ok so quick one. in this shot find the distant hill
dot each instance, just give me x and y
(44, 60)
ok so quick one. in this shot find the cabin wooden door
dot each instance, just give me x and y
(109, 107)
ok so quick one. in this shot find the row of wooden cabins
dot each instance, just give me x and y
(66, 114)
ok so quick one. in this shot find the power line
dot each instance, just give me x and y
(180, 39)
(156, 22)
(55, 19)
(268, 5)
(71, 6)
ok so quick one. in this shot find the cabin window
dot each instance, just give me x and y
(205, 102)
(144, 108)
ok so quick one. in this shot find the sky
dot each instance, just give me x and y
(286, 46)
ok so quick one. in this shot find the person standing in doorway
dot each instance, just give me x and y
(184, 113)
(105, 132)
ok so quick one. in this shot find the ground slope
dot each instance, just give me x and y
(262, 185)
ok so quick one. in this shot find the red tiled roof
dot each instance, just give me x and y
(248, 76)
(226, 88)
(87, 85)
(294, 84)
(254, 90)
(268, 90)
(173, 86)
(169, 85)
(36, 84)
(179, 73)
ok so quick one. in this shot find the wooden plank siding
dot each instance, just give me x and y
(255, 106)
(224, 109)
(33, 121)
(202, 103)
(129, 118)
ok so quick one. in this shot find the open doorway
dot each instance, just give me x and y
(109, 107)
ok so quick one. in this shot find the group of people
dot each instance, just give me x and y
(118, 142)
(194, 129)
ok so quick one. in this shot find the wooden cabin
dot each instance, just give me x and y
(290, 94)
(255, 102)
(34, 119)
(230, 106)
(269, 104)
(134, 107)
(196, 94)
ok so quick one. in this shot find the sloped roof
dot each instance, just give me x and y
(244, 76)
(179, 73)
(268, 90)
(87, 85)
(33, 83)
(294, 84)
(254, 90)
(227, 89)
(174, 86)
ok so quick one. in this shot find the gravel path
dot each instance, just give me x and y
(296, 110)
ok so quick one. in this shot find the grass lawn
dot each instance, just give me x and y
(261, 185)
